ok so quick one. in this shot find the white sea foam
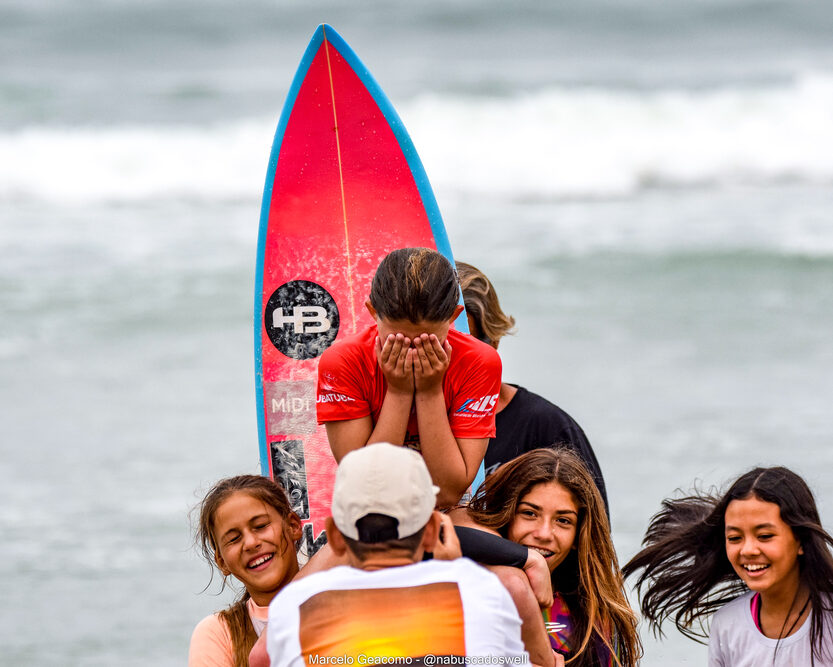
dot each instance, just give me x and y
(88, 165)
(555, 143)
(566, 143)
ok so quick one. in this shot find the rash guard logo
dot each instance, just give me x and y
(334, 398)
(478, 407)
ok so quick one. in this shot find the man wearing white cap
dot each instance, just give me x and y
(388, 606)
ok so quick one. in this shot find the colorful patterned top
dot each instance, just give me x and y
(560, 628)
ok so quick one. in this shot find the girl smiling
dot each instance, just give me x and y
(246, 529)
(759, 556)
(547, 501)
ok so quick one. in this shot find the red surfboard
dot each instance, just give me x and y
(344, 187)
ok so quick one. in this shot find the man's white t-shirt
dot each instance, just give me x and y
(430, 613)
(735, 641)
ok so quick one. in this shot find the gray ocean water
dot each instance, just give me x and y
(648, 184)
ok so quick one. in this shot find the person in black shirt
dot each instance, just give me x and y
(524, 420)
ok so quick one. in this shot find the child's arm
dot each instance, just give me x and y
(452, 462)
(347, 435)
(397, 366)
(487, 547)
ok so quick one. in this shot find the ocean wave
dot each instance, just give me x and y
(552, 144)
(90, 165)
(602, 143)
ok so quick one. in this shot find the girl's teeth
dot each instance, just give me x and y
(755, 568)
(259, 561)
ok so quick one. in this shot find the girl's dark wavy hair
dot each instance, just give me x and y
(686, 574)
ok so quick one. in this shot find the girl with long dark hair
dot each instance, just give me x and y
(756, 555)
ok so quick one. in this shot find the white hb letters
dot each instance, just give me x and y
(305, 319)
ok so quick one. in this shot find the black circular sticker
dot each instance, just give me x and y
(301, 319)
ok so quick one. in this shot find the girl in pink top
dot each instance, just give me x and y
(246, 529)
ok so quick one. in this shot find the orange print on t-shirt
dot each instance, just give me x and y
(383, 623)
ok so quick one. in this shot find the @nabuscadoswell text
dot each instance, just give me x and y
(426, 660)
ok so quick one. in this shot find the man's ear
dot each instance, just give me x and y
(370, 309)
(431, 535)
(334, 537)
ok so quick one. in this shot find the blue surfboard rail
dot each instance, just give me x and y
(286, 112)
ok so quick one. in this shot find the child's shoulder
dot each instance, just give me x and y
(210, 625)
(466, 345)
(734, 610)
(355, 345)
(210, 641)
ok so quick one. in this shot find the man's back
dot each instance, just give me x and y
(349, 616)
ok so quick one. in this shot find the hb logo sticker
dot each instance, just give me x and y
(301, 319)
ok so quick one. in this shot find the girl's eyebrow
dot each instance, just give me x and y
(760, 526)
(532, 505)
(536, 507)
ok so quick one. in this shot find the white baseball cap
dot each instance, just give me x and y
(383, 479)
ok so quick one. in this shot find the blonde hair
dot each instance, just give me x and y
(483, 305)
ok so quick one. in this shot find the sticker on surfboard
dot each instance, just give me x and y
(344, 187)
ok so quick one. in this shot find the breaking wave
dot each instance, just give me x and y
(554, 143)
